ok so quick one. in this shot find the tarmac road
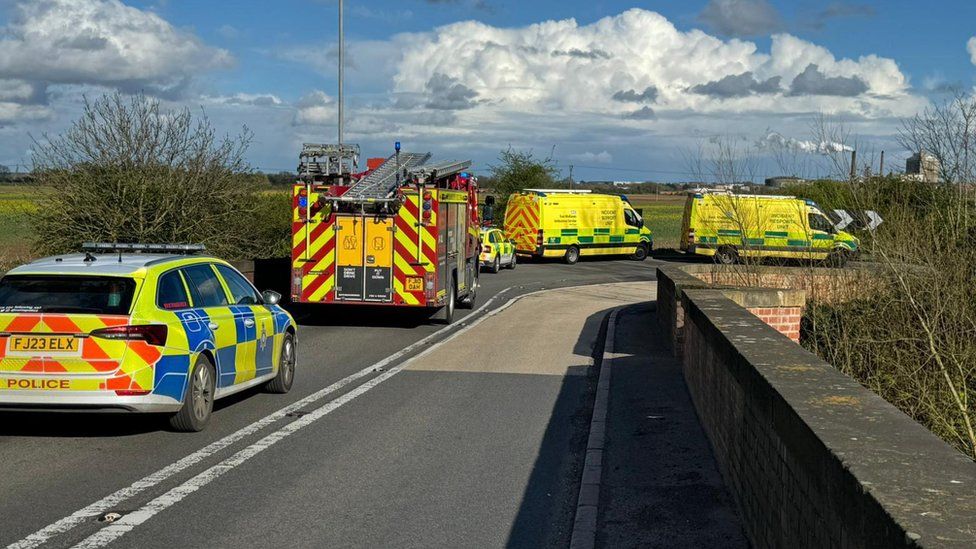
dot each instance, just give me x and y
(435, 455)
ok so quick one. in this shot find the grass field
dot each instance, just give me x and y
(662, 214)
(17, 202)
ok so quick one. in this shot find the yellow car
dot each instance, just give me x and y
(158, 331)
(496, 250)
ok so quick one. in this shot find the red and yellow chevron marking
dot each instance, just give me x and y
(313, 250)
(130, 363)
(522, 222)
(408, 259)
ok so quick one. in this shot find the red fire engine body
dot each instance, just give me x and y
(403, 234)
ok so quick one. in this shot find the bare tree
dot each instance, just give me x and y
(947, 131)
(129, 171)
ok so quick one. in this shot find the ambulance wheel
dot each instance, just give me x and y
(198, 399)
(514, 261)
(281, 383)
(497, 264)
(572, 255)
(640, 254)
(838, 258)
(726, 255)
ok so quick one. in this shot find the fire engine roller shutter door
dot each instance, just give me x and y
(349, 258)
(379, 259)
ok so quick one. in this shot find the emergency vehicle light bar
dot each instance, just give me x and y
(119, 247)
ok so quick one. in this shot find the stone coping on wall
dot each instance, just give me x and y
(843, 457)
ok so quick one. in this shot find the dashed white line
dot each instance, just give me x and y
(88, 513)
(130, 521)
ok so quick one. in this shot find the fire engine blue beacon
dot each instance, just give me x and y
(396, 146)
(303, 201)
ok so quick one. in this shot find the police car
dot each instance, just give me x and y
(142, 328)
(496, 250)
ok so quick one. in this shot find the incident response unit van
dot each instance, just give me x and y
(570, 224)
(730, 227)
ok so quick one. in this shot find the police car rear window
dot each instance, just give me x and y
(100, 295)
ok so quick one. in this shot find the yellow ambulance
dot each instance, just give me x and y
(733, 226)
(573, 223)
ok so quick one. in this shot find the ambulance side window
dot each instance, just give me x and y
(820, 223)
(631, 218)
(171, 294)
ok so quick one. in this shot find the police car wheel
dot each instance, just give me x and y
(281, 383)
(572, 255)
(497, 264)
(198, 399)
(514, 261)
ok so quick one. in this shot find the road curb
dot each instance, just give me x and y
(587, 505)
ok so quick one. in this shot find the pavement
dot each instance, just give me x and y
(399, 432)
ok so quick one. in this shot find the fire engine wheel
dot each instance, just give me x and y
(572, 255)
(496, 265)
(451, 301)
(198, 399)
(727, 255)
(468, 301)
(282, 382)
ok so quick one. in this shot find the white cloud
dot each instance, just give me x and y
(250, 99)
(101, 42)
(521, 69)
(778, 141)
(971, 48)
(603, 157)
(316, 109)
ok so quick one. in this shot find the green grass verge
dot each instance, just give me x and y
(663, 218)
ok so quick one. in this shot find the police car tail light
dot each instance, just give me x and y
(153, 334)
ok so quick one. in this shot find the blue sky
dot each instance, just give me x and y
(621, 90)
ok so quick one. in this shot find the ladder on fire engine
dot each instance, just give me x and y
(382, 181)
(446, 168)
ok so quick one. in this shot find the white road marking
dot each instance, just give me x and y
(113, 500)
(127, 523)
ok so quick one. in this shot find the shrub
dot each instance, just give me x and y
(128, 171)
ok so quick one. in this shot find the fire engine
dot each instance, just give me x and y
(403, 233)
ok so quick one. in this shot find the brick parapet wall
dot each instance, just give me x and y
(812, 458)
(785, 320)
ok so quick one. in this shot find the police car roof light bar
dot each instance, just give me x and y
(120, 247)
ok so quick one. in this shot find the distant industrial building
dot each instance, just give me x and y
(923, 166)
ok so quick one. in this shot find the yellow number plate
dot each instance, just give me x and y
(33, 345)
(415, 284)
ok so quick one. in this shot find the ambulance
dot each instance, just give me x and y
(569, 224)
(730, 227)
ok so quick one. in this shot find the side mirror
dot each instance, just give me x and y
(271, 297)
